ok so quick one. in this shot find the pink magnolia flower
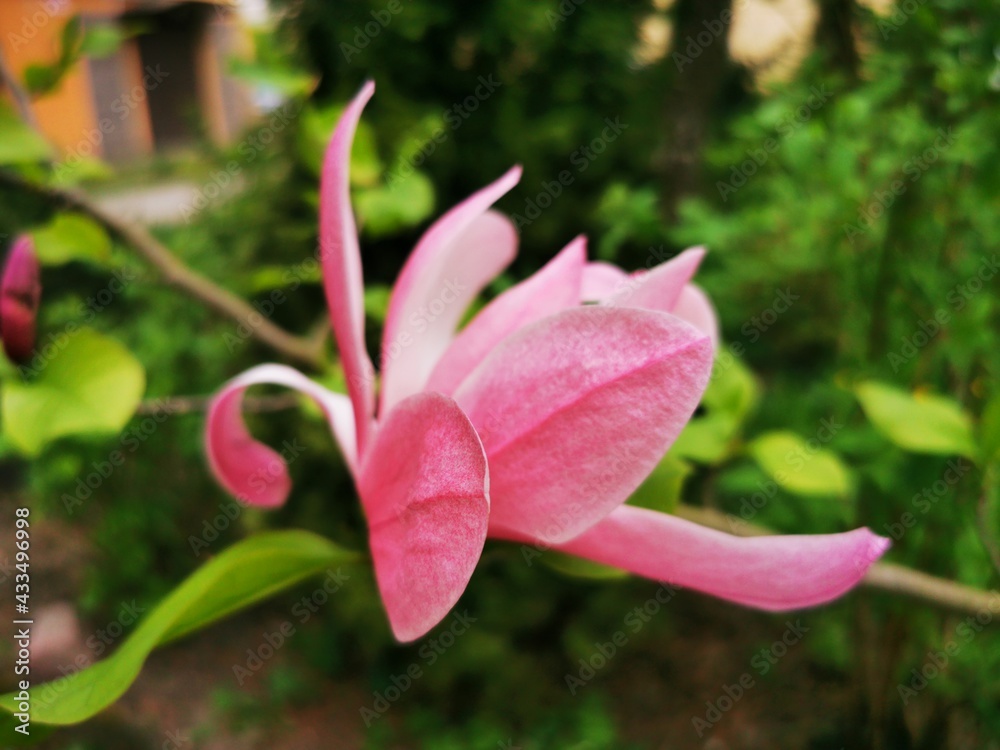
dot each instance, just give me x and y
(533, 423)
(20, 293)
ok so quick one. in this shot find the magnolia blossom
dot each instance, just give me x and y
(20, 293)
(533, 423)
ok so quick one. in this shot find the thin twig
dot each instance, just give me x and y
(191, 404)
(20, 96)
(175, 272)
(882, 575)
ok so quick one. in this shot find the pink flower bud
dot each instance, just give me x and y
(20, 292)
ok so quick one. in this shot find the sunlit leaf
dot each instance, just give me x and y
(71, 237)
(388, 208)
(19, 143)
(86, 383)
(731, 396)
(662, 489)
(102, 40)
(922, 423)
(800, 466)
(316, 127)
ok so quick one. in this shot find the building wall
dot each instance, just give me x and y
(29, 33)
(70, 116)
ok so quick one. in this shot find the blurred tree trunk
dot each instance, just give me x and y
(835, 37)
(697, 75)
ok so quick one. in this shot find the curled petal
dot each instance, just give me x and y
(553, 288)
(425, 490)
(575, 410)
(695, 307)
(660, 288)
(250, 470)
(341, 261)
(601, 281)
(455, 258)
(766, 572)
(20, 294)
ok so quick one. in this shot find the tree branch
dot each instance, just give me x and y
(176, 273)
(191, 404)
(886, 576)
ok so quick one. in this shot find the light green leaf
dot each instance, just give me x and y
(90, 384)
(661, 490)
(377, 301)
(731, 396)
(267, 277)
(733, 390)
(102, 40)
(284, 79)
(799, 466)
(244, 574)
(577, 567)
(71, 237)
(386, 209)
(316, 126)
(922, 423)
(20, 144)
(707, 440)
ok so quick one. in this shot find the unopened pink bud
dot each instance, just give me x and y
(20, 293)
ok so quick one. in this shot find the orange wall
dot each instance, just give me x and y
(29, 33)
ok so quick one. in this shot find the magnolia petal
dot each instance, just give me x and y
(766, 572)
(695, 307)
(459, 255)
(20, 295)
(659, 288)
(425, 489)
(341, 261)
(574, 411)
(250, 470)
(601, 281)
(553, 288)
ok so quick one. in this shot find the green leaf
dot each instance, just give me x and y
(799, 466)
(244, 574)
(43, 79)
(921, 423)
(386, 209)
(71, 237)
(20, 144)
(377, 298)
(315, 128)
(707, 440)
(102, 40)
(731, 396)
(70, 40)
(267, 277)
(662, 489)
(989, 430)
(284, 79)
(90, 384)
(733, 390)
(577, 567)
